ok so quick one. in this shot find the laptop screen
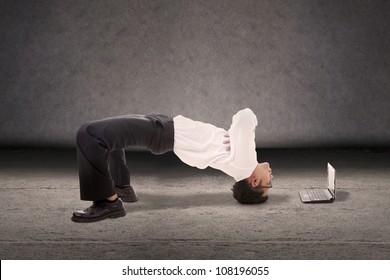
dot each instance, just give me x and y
(332, 179)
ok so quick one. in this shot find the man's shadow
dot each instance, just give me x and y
(149, 201)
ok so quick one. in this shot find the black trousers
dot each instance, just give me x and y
(101, 150)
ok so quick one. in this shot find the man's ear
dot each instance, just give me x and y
(255, 182)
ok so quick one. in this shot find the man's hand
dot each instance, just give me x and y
(226, 142)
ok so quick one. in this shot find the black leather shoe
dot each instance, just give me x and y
(127, 194)
(99, 211)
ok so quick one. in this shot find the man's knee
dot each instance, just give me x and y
(83, 132)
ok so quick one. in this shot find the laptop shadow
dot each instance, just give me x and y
(342, 195)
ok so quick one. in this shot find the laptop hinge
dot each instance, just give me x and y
(333, 197)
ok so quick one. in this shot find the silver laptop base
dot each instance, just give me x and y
(316, 196)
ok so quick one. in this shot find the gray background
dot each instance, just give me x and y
(316, 73)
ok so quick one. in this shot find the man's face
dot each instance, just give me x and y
(261, 178)
(265, 174)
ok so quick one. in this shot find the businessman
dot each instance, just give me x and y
(104, 176)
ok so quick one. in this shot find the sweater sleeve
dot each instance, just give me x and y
(242, 142)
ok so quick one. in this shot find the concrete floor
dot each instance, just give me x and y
(186, 213)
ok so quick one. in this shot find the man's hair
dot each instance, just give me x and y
(245, 194)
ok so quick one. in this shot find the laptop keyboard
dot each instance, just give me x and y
(318, 195)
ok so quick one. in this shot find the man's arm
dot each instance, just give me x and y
(242, 141)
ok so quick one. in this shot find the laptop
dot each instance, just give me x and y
(321, 195)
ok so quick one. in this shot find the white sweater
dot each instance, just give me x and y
(201, 144)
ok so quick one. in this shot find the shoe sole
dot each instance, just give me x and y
(111, 215)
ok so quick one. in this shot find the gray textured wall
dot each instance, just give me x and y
(315, 72)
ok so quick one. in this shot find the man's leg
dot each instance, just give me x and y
(121, 176)
(93, 159)
(95, 180)
(95, 143)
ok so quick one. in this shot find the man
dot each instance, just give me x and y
(105, 178)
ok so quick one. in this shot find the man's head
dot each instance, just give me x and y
(254, 189)
(244, 193)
